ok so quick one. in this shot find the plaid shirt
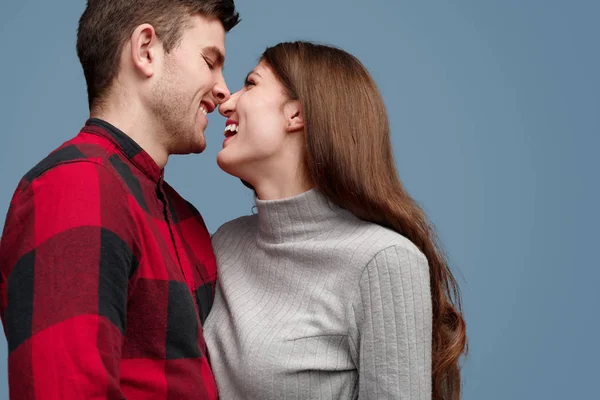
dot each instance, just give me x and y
(107, 275)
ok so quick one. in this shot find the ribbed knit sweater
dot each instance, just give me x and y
(314, 303)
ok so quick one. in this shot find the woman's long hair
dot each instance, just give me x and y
(349, 160)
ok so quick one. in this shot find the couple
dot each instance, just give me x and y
(111, 287)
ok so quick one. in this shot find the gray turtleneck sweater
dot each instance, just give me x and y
(313, 303)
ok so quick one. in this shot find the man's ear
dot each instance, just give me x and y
(145, 50)
(293, 115)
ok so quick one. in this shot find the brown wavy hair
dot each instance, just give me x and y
(349, 160)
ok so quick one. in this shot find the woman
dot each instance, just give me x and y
(336, 288)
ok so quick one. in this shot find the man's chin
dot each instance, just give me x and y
(197, 143)
(191, 148)
(195, 150)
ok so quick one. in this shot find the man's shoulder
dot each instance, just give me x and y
(74, 165)
(73, 152)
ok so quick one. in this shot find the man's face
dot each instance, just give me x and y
(191, 85)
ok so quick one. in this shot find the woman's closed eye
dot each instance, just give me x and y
(249, 82)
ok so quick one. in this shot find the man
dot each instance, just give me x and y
(107, 274)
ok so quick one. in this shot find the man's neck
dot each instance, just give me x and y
(135, 123)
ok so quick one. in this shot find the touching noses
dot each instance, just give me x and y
(228, 107)
(220, 92)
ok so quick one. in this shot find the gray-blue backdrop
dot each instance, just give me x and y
(495, 112)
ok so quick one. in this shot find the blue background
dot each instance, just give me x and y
(495, 115)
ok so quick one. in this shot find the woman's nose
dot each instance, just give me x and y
(228, 107)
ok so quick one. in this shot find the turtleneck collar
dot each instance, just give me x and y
(296, 218)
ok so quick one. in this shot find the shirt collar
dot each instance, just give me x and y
(140, 158)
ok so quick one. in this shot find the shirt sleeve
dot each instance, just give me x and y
(66, 255)
(390, 329)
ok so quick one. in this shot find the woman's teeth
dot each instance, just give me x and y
(203, 110)
(233, 128)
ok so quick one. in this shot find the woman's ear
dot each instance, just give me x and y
(293, 116)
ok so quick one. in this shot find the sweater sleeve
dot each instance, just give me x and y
(390, 326)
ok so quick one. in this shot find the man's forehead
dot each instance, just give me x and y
(209, 29)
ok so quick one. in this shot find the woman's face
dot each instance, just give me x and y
(258, 127)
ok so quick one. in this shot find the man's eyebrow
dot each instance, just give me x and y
(220, 58)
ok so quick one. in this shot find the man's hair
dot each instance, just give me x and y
(106, 25)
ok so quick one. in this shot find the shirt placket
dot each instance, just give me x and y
(182, 260)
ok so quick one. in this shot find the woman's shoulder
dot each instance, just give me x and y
(375, 239)
(387, 255)
(235, 228)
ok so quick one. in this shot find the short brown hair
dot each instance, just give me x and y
(349, 159)
(105, 26)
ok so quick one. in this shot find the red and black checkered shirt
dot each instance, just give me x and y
(107, 275)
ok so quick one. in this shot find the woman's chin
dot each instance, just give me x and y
(226, 163)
